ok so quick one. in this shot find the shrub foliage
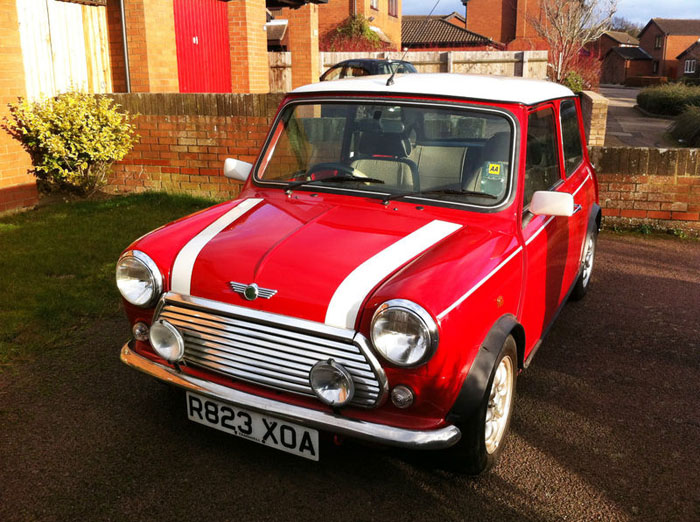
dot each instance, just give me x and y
(353, 35)
(73, 138)
(686, 128)
(670, 99)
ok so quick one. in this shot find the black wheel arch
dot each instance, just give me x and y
(475, 384)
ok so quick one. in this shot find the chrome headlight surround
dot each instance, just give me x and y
(424, 338)
(150, 278)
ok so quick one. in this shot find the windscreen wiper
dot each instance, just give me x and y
(333, 179)
(391, 197)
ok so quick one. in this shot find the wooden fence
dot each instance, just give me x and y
(527, 64)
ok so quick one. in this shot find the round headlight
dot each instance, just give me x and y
(331, 383)
(404, 333)
(138, 278)
(167, 341)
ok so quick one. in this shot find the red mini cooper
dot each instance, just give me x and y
(397, 254)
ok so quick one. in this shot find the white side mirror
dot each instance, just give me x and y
(546, 203)
(237, 169)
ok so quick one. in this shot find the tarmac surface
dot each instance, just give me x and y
(627, 126)
(606, 427)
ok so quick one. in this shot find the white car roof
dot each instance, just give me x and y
(470, 86)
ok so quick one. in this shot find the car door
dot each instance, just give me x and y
(545, 238)
(578, 181)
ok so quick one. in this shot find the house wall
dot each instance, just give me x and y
(672, 46)
(493, 18)
(116, 46)
(675, 46)
(335, 12)
(390, 25)
(17, 186)
(614, 69)
(692, 55)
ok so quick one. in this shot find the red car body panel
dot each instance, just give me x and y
(306, 244)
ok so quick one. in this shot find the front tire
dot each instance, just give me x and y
(484, 434)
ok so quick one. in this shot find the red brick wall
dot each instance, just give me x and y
(303, 44)
(248, 40)
(116, 46)
(332, 14)
(185, 139)
(660, 188)
(17, 187)
(672, 46)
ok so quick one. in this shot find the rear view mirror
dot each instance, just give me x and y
(237, 169)
(546, 203)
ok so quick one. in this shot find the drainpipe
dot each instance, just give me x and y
(126, 48)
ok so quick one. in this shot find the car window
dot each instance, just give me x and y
(571, 136)
(460, 155)
(542, 159)
(354, 70)
(333, 73)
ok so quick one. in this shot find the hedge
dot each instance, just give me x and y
(671, 99)
(686, 128)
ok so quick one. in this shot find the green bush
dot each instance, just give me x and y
(669, 99)
(73, 139)
(686, 128)
(574, 81)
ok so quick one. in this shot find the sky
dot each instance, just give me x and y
(637, 11)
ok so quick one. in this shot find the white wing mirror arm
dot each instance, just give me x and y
(550, 203)
(237, 169)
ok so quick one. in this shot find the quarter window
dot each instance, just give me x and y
(542, 160)
(571, 136)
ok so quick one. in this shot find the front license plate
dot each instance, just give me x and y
(270, 431)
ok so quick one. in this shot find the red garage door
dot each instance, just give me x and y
(201, 36)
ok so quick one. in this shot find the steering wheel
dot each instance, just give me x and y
(336, 166)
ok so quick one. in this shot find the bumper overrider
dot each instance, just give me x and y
(325, 421)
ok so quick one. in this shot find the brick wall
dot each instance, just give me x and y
(185, 139)
(594, 109)
(655, 187)
(248, 40)
(17, 187)
(116, 46)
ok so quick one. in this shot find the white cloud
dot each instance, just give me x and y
(638, 11)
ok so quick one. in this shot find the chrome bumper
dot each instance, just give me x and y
(388, 435)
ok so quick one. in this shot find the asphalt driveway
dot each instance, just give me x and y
(606, 427)
(628, 127)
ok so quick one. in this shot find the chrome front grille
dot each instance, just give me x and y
(267, 349)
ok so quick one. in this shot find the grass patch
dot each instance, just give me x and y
(57, 265)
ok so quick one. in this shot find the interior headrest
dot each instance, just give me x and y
(384, 144)
(497, 147)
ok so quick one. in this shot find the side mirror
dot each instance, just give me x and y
(237, 169)
(546, 203)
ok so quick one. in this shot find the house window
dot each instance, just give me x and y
(658, 42)
(374, 4)
(393, 7)
(655, 66)
(689, 66)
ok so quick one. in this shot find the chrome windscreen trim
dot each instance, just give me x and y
(405, 438)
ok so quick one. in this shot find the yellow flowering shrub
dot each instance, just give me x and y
(73, 138)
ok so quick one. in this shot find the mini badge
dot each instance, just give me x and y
(251, 291)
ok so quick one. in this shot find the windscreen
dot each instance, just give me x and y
(432, 152)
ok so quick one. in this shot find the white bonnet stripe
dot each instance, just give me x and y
(184, 262)
(345, 303)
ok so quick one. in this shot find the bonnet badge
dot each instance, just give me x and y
(251, 291)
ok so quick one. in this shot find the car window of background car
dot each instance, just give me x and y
(333, 73)
(571, 136)
(353, 71)
(542, 159)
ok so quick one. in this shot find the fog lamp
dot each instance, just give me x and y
(140, 331)
(167, 341)
(331, 383)
(402, 396)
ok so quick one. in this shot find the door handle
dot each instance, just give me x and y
(577, 208)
